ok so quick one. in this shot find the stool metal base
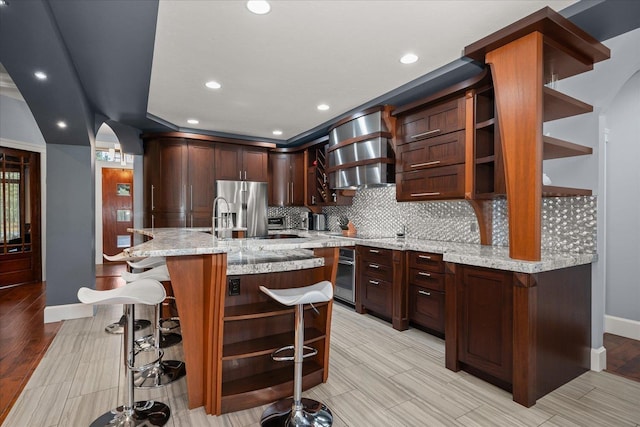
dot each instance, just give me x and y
(163, 373)
(118, 327)
(145, 413)
(166, 340)
(279, 414)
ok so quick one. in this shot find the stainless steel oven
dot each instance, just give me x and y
(345, 289)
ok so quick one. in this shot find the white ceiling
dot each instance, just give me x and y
(276, 68)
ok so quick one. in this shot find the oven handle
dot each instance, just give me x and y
(343, 262)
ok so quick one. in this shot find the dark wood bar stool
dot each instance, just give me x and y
(141, 413)
(297, 411)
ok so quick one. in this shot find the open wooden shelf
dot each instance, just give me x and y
(557, 105)
(262, 387)
(266, 344)
(553, 191)
(487, 159)
(555, 148)
(259, 310)
(486, 124)
(559, 62)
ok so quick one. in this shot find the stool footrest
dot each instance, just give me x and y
(311, 352)
(148, 365)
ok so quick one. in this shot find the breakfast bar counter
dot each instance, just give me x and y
(229, 327)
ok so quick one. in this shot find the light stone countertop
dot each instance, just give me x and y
(184, 241)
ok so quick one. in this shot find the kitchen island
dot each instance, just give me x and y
(522, 325)
(229, 327)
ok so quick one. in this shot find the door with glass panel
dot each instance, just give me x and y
(20, 249)
(117, 209)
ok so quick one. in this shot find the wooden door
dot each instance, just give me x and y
(117, 209)
(255, 167)
(20, 256)
(201, 184)
(228, 161)
(279, 183)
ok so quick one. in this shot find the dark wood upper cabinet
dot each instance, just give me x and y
(179, 183)
(286, 179)
(241, 163)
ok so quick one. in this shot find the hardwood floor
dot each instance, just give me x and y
(623, 356)
(24, 339)
(379, 376)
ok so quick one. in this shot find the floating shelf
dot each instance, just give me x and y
(557, 105)
(557, 148)
(259, 310)
(266, 345)
(553, 191)
(558, 62)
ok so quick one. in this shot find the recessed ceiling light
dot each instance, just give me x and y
(259, 7)
(213, 84)
(62, 124)
(40, 75)
(409, 58)
(193, 121)
(277, 132)
(323, 107)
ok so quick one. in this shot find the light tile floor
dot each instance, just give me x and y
(378, 377)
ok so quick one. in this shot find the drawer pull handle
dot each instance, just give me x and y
(373, 251)
(417, 165)
(424, 194)
(374, 266)
(425, 293)
(422, 273)
(429, 132)
(424, 257)
(374, 282)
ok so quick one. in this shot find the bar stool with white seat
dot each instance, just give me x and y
(162, 372)
(118, 327)
(298, 411)
(141, 413)
(150, 262)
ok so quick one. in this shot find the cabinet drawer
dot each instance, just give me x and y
(438, 151)
(446, 182)
(376, 255)
(427, 279)
(426, 307)
(376, 295)
(431, 121)
(426, 261)
(379, 271)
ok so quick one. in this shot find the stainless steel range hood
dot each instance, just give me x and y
(360, 152)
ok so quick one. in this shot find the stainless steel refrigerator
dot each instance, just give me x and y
(247, 205)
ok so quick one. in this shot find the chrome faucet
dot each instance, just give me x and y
(228, 220)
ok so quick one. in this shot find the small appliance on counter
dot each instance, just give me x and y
(277, 222)
(316, 221)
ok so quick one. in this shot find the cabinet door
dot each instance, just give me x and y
(297, 179)
(376, 295)
(485, 338)
(228, 161)
(168, 219)
(169, 195)
(445, 182)
(201, 183)
(438, 151)
(255, 165)
(434, 120)
(279, 182)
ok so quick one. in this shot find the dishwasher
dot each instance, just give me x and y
(345, 289)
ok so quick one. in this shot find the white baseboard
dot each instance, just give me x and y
(598, 359)
(623, 327)
(56, 313)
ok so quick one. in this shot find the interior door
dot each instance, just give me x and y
(20, 256)
(117, 209)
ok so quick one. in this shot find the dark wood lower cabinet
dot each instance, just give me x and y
(527, 333)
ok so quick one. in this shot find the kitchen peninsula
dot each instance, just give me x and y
(522, 325)
(229, 327)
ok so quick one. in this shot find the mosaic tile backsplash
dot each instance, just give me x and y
(568, 223)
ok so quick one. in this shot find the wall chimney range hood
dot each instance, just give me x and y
(360, 152)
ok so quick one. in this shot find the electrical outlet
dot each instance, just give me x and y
(234, 286)
(473, 227)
